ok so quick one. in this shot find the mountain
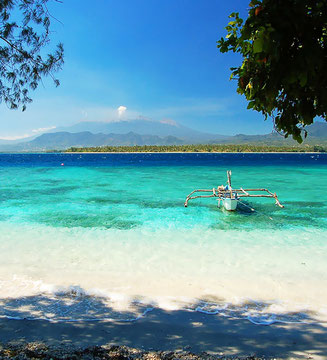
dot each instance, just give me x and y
(318, 129)
(317, 134)
(171, 128)
(64, 140)
(143, 127)
(60, 140)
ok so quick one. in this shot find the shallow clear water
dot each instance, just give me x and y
(106, 236)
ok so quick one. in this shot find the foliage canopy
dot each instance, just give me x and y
(283, 74)
(24, 33)
(201, 148)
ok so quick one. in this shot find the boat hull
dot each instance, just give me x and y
(230, 204)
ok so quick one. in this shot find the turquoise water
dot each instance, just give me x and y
(108, 237)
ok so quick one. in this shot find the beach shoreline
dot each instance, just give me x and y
(176, 331)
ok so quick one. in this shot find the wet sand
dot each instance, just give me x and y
(176, 331)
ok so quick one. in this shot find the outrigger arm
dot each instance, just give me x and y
(190, 197)
(222, 192)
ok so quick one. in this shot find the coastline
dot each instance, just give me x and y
(176, 331)
(45, 152)
(189, 152)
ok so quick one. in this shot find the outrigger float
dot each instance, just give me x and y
(231, 197)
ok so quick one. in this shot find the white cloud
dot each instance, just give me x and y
(169, 122)
(84, 114)
(17, 137)
(106, 114)
(121, 111)
(43, 129)
(24, 136)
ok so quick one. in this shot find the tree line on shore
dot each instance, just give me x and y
(200, 148)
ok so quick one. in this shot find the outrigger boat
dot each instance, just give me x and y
(231, 197)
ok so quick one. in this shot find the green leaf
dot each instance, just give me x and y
(303, 77)
(251, 104)
(258, 45)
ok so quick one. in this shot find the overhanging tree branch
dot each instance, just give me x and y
(283, 74)
(22, 64)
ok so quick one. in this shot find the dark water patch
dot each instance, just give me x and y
(300, 220)
(121, 224)
(5, 217)
(102, 200)
(243, 223)
(246, 219)
(15, 203)
(106, 188)
(245, 208)
(84, 221)
(55, 190)
(246, 226)
(43, 191)
(7, 195)
(42, 170)
(147, 204)
(23, 193)
(161, 204)
(50, 181)
(304, 205)
(110, 201)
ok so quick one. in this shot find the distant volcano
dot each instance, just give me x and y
(143, 127)
(146, 132)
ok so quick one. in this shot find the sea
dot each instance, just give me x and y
(107, 237)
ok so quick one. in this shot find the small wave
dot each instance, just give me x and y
(256, 312)
(35, 300)
(133, 319)
(40, 301)
(73, 290)
(271, 319)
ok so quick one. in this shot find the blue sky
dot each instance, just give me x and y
(156, 58)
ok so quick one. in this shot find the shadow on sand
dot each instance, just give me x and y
(167, 330)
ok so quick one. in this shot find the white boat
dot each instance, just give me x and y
(230, 197)
(230, 204)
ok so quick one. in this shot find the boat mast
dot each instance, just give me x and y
(229, 178)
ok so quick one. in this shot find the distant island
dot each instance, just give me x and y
(154, 136)
(198, 148)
